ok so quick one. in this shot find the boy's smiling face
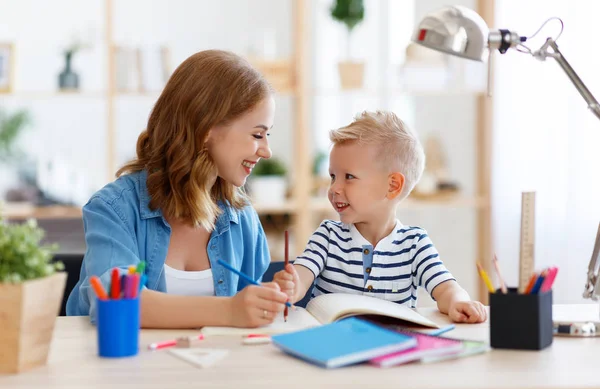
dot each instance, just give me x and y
(359, 185)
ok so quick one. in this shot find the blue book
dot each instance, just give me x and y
(343, 343)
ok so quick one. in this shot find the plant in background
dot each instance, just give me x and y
(11, 126)
(269, 167)
(22, 257)
(350, 13)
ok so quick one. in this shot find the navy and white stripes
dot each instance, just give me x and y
(343, 261)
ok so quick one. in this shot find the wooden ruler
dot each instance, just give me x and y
(527, 247)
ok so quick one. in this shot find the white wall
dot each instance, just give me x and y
(73, 127)
(381, 40)
(546, 140)
(70, 130)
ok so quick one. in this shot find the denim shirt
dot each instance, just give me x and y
(121, 230)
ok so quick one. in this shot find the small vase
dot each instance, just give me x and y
(67, 78)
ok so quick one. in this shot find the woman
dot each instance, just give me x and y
(178, 206)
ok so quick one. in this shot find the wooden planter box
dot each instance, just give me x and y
(351, 74)
(27, 315)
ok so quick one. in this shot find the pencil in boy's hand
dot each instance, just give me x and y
(500, 278)
(286, 260)
(98, 288)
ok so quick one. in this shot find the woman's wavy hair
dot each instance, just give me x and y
(211, 88)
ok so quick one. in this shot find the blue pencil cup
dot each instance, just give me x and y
(118, 325)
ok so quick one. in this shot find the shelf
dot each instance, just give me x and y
(55, 94)
(24, 211)
(323, 205)
(394, 92)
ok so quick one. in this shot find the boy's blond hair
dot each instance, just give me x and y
(400, 148)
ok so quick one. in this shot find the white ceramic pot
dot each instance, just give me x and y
(267, 189)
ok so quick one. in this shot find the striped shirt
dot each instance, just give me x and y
(343, 261)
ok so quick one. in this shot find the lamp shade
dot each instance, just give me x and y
(454, 30)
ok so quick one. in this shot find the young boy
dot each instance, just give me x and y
(375, 162)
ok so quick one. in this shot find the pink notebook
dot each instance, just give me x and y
(427, 346)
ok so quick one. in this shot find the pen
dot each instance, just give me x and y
(286, 260)
(97, 286)
(485, 278)
(497, 267)
(442, 330)
(173, 342)
(243, 276)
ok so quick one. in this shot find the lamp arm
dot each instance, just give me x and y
(592, 285)
(543, 52)
(592, 289)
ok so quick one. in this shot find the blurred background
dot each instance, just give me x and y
(78, 80)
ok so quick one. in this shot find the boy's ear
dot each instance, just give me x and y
(395, 185)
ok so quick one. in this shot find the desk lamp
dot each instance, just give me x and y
(460, 31)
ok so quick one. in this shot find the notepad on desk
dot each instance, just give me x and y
(428, 346)
(343, 343)
(329, 308)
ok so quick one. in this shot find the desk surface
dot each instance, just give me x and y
(568, 363)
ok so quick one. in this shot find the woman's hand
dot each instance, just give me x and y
(257, 306)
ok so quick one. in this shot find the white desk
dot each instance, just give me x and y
(568, 363)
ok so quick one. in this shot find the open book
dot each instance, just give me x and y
(328, 308)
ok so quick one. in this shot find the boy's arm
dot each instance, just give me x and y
(448, 293)
(305, 279)
(456, 303)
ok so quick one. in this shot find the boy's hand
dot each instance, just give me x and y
(467, 312)
(288, 281)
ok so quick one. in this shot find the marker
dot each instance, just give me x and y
(98, 288)
(115, 284)
(256, 339)
(549, 281)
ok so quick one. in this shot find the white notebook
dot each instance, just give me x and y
(328, 308)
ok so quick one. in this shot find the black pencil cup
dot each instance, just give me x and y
(520, 321)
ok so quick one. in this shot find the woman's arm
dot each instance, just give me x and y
(245, 309)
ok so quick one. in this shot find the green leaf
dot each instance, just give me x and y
(11, 126)
(349, 12)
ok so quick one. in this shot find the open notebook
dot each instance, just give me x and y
(328, 308)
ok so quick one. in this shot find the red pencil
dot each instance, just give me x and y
(286, 261)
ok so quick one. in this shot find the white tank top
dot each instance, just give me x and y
(189, 283)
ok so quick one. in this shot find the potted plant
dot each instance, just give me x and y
(350, 13)
(267, 185)
(31, 292)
